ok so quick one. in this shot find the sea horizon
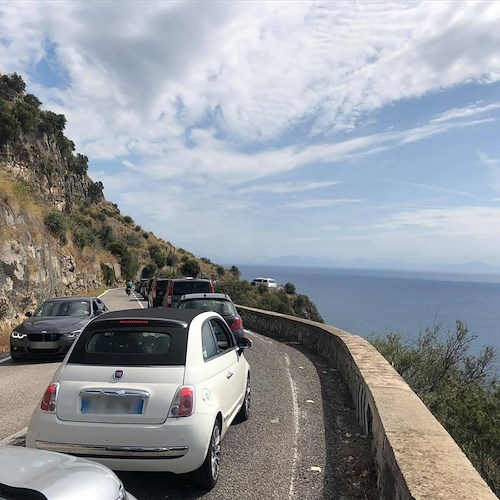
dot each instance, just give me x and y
(373, 302)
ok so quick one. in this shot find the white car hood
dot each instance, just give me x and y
(57, 476)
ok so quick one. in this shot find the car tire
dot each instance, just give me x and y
(15, 359)
(244, 413)
(208, 474)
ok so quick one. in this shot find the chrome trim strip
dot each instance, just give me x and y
(114, 392)
(83, 450)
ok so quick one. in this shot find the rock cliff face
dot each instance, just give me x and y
(33, 264)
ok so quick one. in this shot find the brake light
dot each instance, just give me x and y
(155, 286)
(237, 324)
(169, 294)
(183, 403)
(49, 398)
(133, 322)
(212, 289)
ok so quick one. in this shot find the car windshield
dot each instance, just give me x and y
(63, 308)
(223, 307)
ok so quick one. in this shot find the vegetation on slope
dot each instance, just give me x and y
(284, 300)
(460, 389)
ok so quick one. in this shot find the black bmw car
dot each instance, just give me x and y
(53, 327)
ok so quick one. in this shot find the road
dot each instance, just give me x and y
(281, 452)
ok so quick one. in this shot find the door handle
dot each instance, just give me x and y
(229, 374)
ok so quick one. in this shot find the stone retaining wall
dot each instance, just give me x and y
(414, 455)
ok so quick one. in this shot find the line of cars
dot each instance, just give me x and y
(140, 389)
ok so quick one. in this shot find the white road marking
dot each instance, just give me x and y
(296, 427)
(138, 300)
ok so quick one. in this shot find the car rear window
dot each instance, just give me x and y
(161, 285)
(134, 344)
(223, 307)
(184, 287)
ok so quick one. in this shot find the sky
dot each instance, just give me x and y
(362, 132)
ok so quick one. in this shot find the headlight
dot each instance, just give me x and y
(17, 335)
(73, 334)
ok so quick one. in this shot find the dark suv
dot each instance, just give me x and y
(157, 291)
(181, 286)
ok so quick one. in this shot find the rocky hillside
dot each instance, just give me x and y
(59, 236)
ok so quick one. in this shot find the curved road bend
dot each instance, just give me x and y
(282, 452)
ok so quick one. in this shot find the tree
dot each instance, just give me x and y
(457, 387)
(235, 271)
(290, 288)
(27, 115)
(190, 268)
(9, 125)
(11, 86)
(32, 101)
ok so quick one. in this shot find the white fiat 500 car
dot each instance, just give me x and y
(147, 390)
(27, 474)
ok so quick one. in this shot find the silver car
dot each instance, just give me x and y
(26, 473)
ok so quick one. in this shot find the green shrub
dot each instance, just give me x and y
(133, 240)
(57, 225)
(457, 387)
(172, 259)
(11, 86)
(9, 125)
(190, 268)
(28, 116)
(108, 274)
(290, 288)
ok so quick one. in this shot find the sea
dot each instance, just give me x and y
(370, 303)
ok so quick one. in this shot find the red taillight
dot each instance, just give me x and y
(212, 289)
(186, 402)
(183, 403)
(155, 286)
(237, 324)
(49, 398)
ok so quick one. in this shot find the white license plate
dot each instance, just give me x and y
(103, 404)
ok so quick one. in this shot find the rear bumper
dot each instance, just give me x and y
(101, 451)
(177, 445)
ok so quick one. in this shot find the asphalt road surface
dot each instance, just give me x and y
(284, 451)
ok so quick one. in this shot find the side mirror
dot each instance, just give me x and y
(29, 314)
(98, 312)
(243, 344)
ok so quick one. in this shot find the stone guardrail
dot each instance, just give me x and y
(414, 455)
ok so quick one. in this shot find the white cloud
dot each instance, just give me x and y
(320, 203)
(288, 187)
(493, 166)
(469, 222)
(473, 109)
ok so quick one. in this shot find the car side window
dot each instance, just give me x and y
(223, 337)
(208, 345)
